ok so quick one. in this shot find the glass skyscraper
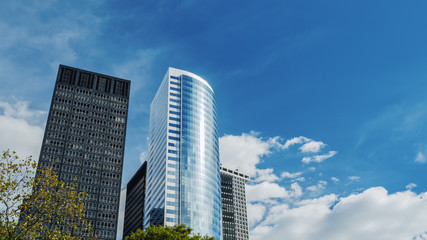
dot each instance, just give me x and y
(183, 176)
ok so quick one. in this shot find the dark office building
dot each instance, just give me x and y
(85, 139)
(135, 198)
(234, 212)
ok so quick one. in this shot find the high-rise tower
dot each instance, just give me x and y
(135, 199)
(183, 179)
(234, 210)
(85, 139)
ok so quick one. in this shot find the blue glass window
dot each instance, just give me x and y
(172, 188)
(173, 180)
(170, 195)
(176, 113)
(173, 158)
(172, 204)
(175, 119)
(171, 220)
(171, 211)
(172, 165)
(174, 125)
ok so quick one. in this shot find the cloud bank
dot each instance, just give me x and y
(279, 207)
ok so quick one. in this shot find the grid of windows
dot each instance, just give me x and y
(84, 140)
(234, 212)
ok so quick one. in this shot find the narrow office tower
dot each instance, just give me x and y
(234, 213)
(183, 179)
(85, 139)
(135, 198)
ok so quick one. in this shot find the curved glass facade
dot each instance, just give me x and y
(200, 195)
(183, 176)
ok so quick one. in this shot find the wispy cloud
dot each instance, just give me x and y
(295, 140)
(318, 158)
(290, 175)
(37, 36)
(312, 147)
(411, 186)
(354, 178)
(420, 158)
(334, 179)
(318, 187)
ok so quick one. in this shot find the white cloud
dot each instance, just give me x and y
(255, 213)
(318, 187)
(265, 175)
(420, 158)
(410, 186)
(318, 158)
(354, 178)
(372, 214)
(300, 179)
(19, 130)
(312, 147)
(295, 140)
(243, 152)
(309, 145)
(265, 191)
(268, 192)
(296, 190)
(290, 175)
(334, 179)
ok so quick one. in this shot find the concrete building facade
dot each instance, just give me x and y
(234, 206)
(84, 139)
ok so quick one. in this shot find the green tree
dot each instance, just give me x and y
(177, 232)
(40, 206)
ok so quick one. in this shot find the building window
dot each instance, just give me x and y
(67, 76)
(85, 80)
(103, 84)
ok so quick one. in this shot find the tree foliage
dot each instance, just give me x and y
(177, 232)
(38, 207)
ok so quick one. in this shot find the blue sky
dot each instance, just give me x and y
(339, 83)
